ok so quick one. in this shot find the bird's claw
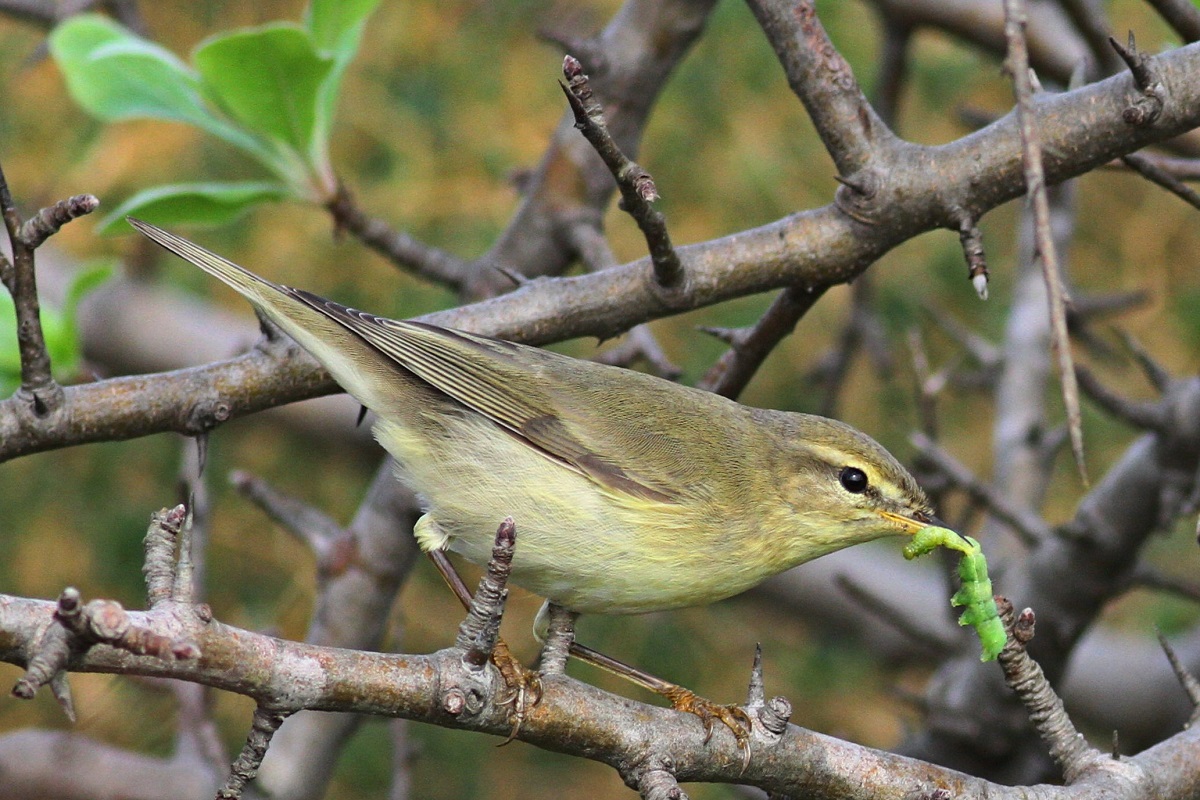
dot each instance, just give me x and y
(522, 688)
(733, 717)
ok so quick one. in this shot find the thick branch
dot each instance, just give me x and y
(630, 61)
(821, 78)
(571, 717)
(1181, 15)
(1055, 47)
(1080, 130)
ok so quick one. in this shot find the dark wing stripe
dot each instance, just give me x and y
(435, 355)
(442, 368)
(451, 373)
(486, 344)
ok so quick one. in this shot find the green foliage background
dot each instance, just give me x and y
(446, 100)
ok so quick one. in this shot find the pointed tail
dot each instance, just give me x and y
(354, 363)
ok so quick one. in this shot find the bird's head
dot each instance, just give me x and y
(842, 488)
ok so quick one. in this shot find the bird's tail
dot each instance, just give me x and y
(354, 363)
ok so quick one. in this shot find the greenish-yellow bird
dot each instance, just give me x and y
(630, 493)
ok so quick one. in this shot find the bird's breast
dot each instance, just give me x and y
(580, 544)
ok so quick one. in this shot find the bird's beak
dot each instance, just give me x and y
(916, 522)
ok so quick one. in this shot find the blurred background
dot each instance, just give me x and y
(447, 103)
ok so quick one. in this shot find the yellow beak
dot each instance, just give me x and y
(911, 525)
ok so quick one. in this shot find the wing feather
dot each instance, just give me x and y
(490, 377)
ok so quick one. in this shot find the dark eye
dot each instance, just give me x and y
(853, 479)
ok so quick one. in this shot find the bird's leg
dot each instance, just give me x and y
(734, 717)
(558, 635)
(557, 639)
(555, 626)
(524, 687)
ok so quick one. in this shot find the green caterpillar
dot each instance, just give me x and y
(976, 590)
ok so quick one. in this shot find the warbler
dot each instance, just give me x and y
(630, 493)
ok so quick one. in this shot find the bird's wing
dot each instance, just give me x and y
(492, 378)
(573, 412)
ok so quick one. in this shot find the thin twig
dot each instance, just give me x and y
(659, 784)
(46, 13)
(245, 767)
(1087, 308)
(893, 68)
(1148, 577)
(1149, 105)
(748, 349)
(585, 236)
(161, 544)
(862, 331)
(479, 631)
(191, 561)
(48, 221)
(1090, 21)
(1179, 167)
(1017, 64)
(927, 384)
(1145, 416)
(988, 355)
(635, 184)
(1186, 679)
(971, 239)
(1028, 525)
(1158, 375)
(310, 525)
(1156, 174)
(176, 550)
(1025, 677)
(38, 387)
(630, 61)
(396, 246)
(37, 382)
(640, 344)
(930, 637)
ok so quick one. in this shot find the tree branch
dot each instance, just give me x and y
(853, 133)
(814, 249)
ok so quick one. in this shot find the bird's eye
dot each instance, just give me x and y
(853, 479)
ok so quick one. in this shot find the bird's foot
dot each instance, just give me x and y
(732, 716)
(522, 688)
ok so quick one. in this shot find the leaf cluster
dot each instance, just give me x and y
(270, 91)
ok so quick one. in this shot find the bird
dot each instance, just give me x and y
(631, 493)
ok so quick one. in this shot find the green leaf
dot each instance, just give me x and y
(60, 330)
(336, 27)
(268, 79)
(211, 203)
(84, 282)
(116, 75)
(10, 356)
